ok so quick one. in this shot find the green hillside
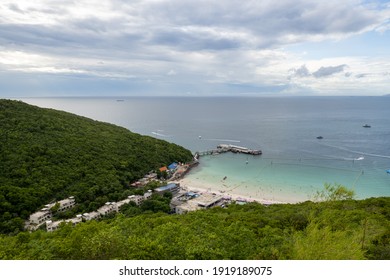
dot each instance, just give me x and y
(346, 229)
(48, 155)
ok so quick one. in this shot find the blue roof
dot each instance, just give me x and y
(167, 187)
(172, 165)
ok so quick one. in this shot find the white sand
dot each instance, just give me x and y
(197, 185)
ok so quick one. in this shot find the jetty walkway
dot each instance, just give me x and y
(224, 148)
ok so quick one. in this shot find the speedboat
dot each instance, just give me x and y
(366, 125)
(320, 137)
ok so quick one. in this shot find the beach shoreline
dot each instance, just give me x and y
(189, 184)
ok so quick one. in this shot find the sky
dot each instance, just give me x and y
(194, 48)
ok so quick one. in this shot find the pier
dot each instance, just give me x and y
(224, 148)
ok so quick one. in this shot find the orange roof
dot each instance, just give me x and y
(164, 168)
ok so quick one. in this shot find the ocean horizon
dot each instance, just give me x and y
(295, 163)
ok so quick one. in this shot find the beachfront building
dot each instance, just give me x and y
(172, 166)
(191, 201)
(174, 188)
(163, 169)
(150, 177)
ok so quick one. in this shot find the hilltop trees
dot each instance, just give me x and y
(46, 155)
(335, 230)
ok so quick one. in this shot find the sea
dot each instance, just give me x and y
(294, 164)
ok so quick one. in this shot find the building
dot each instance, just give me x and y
(109, 207)
(52, 226)
(145, 180)
(193, 201)
(67, 203)
(163, 169)
(40, 217)
(174, 188)
(172, 166)
(138, 199)
(64, 204)
(75, 221)
(91, 215)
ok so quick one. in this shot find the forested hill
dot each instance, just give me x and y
(48, 155)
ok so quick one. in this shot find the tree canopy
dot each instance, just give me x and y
(347, 229)
(48, 155)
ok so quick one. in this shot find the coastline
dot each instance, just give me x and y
(189, 184)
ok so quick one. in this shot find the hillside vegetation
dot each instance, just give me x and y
(48, 155)
(346, 229)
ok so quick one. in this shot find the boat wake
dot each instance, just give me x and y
(222, 140)
(159, 134)
(357, 152)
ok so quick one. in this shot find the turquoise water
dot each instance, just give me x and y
(294, 165)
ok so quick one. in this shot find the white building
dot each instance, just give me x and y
(91, 215)
(192, 202)
(108, 208)
(75, 221)
(138, 199)
(51, 226)
(40, 217)
(64, 204)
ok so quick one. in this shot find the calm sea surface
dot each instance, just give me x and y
(294, 163)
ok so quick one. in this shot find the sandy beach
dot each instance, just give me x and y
(221, 189)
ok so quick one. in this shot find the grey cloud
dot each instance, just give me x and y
(323, 71)
(213, 25)
(268, 24)
(362, 75)
(300, 72)
(14, 7)
(330, 70)
(193, 40)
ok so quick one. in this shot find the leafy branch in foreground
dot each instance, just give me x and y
(334, 192)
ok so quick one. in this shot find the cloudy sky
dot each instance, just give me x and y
(194, 47)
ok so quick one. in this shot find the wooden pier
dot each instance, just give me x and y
(224, 148)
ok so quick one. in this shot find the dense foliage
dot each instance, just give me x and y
(48, 155)
(346, 229)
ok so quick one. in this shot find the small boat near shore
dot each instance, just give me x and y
(320, 137)
(367, 126)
